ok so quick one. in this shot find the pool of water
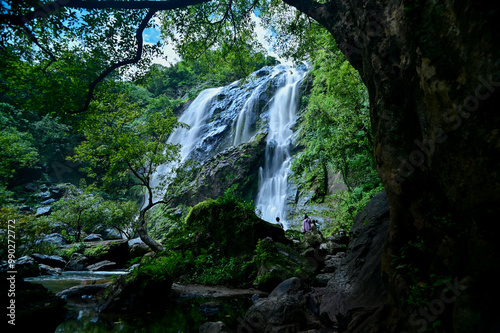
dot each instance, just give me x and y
(57, 283)
(181, 315)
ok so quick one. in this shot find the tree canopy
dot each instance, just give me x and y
(65, 50)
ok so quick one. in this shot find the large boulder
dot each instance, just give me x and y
(83, 290)
(277, 262)
(53, 239)
(77, 262)
(229, 224)
(287, 309)
(138, 291)
(53, 261)
(356, 295)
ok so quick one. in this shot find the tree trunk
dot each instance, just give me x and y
(143, 232)
(433, 74)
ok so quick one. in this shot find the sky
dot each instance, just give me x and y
(152, 35)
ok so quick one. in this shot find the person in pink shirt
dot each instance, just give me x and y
(306, 224)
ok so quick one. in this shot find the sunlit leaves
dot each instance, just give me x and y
(121, 141)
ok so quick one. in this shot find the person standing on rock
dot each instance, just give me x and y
(306, 224)
(278, 221)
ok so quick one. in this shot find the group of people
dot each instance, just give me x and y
(307, 224)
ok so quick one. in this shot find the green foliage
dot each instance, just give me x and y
(160, 268)
(345, 205)
(96, 251)
(26, 229)
(83, 210)
(17, 145)
(120, 141)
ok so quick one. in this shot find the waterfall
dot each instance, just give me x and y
(273, 176)
(195, 116)
(220, 118)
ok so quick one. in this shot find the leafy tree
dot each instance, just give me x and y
(77, 209)
(120, 141)
(17, 146)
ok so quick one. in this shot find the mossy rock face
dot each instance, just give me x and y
(229, 225)
(277, 262)
(130, 294)
(235, 168)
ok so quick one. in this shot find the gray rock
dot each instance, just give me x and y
(48, 201)
(77, 262)
(30, 187)
(285, 310)
(54, 239)
(41, 211)
(56, 192)
(323, 278)
(93, 238)
(138, 249)
(355, 294)
(83, 290)
(44, 195)
(102, 266)
(110, 233)
(48, 270)
(214, 327)
(53, 261)
(25, 209)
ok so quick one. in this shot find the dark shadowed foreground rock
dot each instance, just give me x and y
(287, 309)
(356, 295)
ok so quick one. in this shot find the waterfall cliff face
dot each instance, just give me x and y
(225, 117)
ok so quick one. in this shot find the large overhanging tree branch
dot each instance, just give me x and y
(24, 17)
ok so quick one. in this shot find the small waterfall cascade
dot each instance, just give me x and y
(273, 176)
(195, 116)
(245, 125)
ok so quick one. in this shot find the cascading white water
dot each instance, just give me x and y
(195, 116)
(247, 115)
(273, 176)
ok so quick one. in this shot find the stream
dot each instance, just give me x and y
(187, 308)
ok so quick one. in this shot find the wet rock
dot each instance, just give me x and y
(53, 239)
(105, 265)
(57, 192)
(54, 261)
(110, 234)
(77, 262)
(44, 195)
(48, 270)
(47, 202)
(93, 238)
(42, 211)
(137, 248)
(24, 266)
(214, 327)
(83, 290)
